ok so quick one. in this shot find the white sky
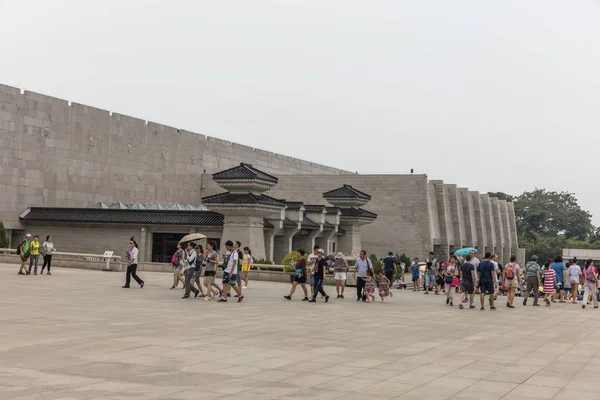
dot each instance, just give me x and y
(495, 95)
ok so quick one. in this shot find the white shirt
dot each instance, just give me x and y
(310, 262)
(49, 246)
(233, 262)
(191, 260)
(574, 272)
(134, 255)
(475, 261)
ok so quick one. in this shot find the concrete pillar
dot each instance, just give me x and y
(434, 219)
(496, 215)
(350, 243)
(488, 224)
(247, 229)
(512, 228)
(269, 244)
(458, 219)
(283, 244)
(469, 216)
(479, 222)
(505, 230)
(445, 219)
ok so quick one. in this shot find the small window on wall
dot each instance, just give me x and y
(333, 247)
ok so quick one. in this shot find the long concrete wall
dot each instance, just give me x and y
(57, 153)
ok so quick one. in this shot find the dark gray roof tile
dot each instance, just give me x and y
(346, 192)
(244, 172)
(242, 198)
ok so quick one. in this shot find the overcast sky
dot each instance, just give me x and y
(494, 95)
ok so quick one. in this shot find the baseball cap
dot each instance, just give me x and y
(28, 235)
(321, 251)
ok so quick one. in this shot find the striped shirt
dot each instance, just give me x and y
(549, 280)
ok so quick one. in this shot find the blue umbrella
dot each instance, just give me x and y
(465, 251)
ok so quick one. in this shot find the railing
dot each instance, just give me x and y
(57, 256)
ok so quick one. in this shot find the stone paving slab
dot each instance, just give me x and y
(78, 335)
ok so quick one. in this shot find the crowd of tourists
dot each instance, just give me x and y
(554, 281)
(463, 279)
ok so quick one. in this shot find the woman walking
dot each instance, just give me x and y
(440, 278)
(47, 249)
(132, 262)
(212, 260)
(449, 278)
(590, 274)
(549, 282)
(512, 276)
(34, 254)
(177, 262)
(199, 264)
(247, 262)
(575, 276)
(299, 277)
(340, 267)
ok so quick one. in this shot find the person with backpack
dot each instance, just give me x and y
(177, 264)
(533, 280)
(23, 251)
(590, 274)
(511, 278)
(190, 268)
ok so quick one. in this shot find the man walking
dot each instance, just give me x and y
(310, 265)
(389, 267)
(486, 273)
(23, 249)
(230, 273)
(189, 270)
(467, 281)
(360, 273)
(533, 280)
(430, 280)
(320, 267)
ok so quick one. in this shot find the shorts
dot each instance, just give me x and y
(210, 273)
(574, 281)
(567, 289)
(179, 267)
(24, 258)
(467, 287)
(300, 278)
(340, 276)
(312, 280)
(511, 283)
(230, 280)
(245, 268)
(486, 287)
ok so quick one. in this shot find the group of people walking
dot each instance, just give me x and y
(191, 260)
(30, 250)
(555, 281)
(314, 265)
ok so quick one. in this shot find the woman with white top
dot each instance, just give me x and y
(47, 250)
(212, 260)
(132, 261)
(575, 274)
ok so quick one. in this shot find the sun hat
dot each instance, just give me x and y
(339, 256)
(321, 251)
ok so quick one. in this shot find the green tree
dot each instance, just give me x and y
(4, 242)
(549, 214)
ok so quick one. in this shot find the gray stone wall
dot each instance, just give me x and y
(57, 153)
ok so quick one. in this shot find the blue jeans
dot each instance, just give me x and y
(429, 280)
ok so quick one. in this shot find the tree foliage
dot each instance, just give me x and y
(549, 221)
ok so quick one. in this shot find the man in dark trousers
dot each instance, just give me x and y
(360, 273)
(389, 267)
(486, 272)
(320, 267)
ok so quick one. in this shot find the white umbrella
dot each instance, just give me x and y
(191, 237)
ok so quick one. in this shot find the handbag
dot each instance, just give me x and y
(454, 282)
(448, 279)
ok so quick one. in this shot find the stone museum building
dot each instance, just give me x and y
(93, 178)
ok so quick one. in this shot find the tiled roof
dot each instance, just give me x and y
(341, 230)
(332, 210)
(346, 192)
(328, 226)
(123, 216)
(293, 205)
(242, 198)
(314, 208)
(288, 223)
(309, 224)
(357, 213)
(268, 225)
(244, 172)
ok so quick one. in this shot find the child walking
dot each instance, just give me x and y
(383, 283)
(370, 286)
(415, 275)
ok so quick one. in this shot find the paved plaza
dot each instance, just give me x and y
(78, 335)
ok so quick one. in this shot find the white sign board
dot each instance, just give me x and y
(108, 254)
